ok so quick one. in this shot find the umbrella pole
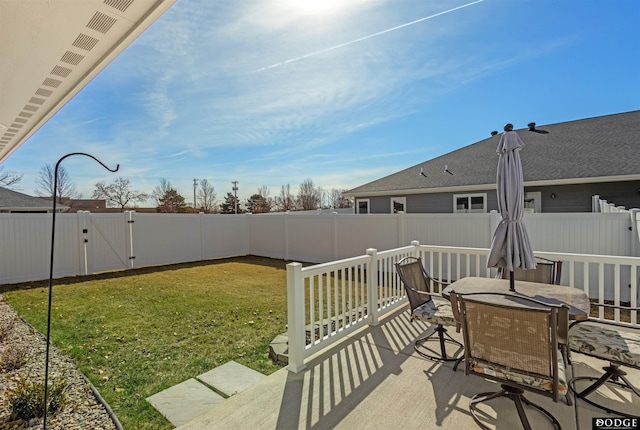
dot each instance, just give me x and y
(512, 282)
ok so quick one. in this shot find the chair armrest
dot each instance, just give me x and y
(607, 306)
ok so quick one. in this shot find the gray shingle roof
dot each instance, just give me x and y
(575, 151)
(14, 200)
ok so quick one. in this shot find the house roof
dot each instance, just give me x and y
(599, 149)
(14, 201)
(52, 49)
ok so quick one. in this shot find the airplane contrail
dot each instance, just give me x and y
(342, 45)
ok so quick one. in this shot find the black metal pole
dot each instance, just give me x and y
(512, 282)
(53, 236)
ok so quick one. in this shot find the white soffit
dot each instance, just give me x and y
(50, 49)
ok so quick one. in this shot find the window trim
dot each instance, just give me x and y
(469, 196)
(367, 201)
(402, 200)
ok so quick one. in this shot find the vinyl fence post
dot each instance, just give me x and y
(595, 203)
(401, 229)
(334, 235)
(285, 218)
(296, 317)
(635, 232)
(83, 224)
(129, 220)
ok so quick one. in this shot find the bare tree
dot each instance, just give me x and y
(8, 179)
(285, 201)
(309, 195)
(65, 188)
(206, 197)
(338, 200)
(118, 193)
(161, 191)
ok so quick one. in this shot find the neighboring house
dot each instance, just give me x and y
(15, 202)
(564, 165)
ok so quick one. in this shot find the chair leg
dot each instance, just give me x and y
(443, 339)
(517, 396)
(458, 361)
(613, 375)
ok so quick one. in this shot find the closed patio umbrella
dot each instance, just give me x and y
(510, 247)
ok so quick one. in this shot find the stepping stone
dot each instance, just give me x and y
(230, 378)
(185, 401)
(279, 349)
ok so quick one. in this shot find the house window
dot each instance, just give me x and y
(398, 204)
(362, 205)
(532, 202)
(470, 203)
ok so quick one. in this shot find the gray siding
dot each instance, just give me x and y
(568, 198)
(577, 198)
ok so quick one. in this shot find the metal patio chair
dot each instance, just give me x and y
(513, 340)
(548, 272)
(616, 343)
(428, 307)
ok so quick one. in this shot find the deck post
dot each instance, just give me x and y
(373, 301)
(295, 310)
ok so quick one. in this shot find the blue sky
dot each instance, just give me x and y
(343, 92)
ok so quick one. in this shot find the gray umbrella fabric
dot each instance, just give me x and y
(510, 246)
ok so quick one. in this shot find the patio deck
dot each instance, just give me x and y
(373, 379)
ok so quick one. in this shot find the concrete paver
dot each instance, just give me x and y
(231, 378)
(185, 401)
(193, 397)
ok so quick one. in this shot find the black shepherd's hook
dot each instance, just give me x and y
(53, 236)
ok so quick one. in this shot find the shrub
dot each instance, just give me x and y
(12, 357)
(26, 400)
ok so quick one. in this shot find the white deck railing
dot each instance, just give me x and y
(328, 301)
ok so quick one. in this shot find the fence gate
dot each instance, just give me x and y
(105, 242)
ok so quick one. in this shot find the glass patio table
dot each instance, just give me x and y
(577, 300)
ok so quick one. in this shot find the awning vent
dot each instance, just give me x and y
(36, 100)
(61, 71)
(44, 93)
(71, 58)
(54, 83)
(121, 5)
(85, 42)
(101, 23)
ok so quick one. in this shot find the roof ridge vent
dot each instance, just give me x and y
(532, 126)
(493, 133)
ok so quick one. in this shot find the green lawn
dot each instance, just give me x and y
(138, 332)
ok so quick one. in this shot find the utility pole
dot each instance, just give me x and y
(235, 195)
(195, 185)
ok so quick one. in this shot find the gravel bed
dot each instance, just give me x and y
(83, 410)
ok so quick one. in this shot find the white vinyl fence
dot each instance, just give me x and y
(88, 243)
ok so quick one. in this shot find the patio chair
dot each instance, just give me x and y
(513, 340)
(612, 342)
(547, 271)
(428, 307)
